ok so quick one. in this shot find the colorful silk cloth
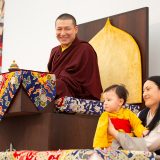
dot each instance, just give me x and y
(83, 154)
(83, 106)
(40, 87)
(9, 84)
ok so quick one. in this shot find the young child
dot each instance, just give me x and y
(122, 118)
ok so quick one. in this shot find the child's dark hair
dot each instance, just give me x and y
(120, 90)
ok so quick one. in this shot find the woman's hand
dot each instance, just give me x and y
(111, 130)
(145, 132)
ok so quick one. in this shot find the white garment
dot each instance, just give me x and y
(152, 139)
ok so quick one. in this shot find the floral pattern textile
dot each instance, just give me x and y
(82, 154)
(40, 87)
(9, 84)
(35, 155)
(133, 107)
(83, 106)
(75, 105)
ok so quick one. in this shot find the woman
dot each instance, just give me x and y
(150, 117)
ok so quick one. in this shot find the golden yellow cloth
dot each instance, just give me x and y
(64, 48)
(119, 60)
(8, 79)
(102, 139)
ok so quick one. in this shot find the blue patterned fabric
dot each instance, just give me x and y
(11, 82)
(83, 106)
(133, 107)
(88, 154)
(40, 86)
(125, 155)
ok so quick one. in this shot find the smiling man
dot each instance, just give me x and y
(74, 62)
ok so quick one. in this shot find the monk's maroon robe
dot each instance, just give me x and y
(76, 71)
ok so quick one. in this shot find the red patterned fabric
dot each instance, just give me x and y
(3, 80)
(35, 155)
(60, 102)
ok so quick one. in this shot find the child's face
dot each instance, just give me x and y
(112, 103)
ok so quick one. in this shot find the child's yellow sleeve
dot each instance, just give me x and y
(101, 138)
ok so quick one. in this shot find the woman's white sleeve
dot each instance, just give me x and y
(152, 140)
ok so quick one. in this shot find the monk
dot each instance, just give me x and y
(74, 62)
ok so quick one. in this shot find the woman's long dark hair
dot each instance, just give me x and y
(143, 113)
(155, 120)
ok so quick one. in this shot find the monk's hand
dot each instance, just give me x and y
(111, 129)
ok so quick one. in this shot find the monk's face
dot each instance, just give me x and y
(151, 94)
(65, 31)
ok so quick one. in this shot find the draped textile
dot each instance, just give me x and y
(84, 106)
(81, 154)
(76, 70)
(9, 84)
(81, 106)
(40, 87)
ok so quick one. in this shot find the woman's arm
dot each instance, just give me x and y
(127, 142)
(152, 139)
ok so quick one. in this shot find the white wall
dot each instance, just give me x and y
(29, 27)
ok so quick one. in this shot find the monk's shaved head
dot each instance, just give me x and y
(67, 16)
